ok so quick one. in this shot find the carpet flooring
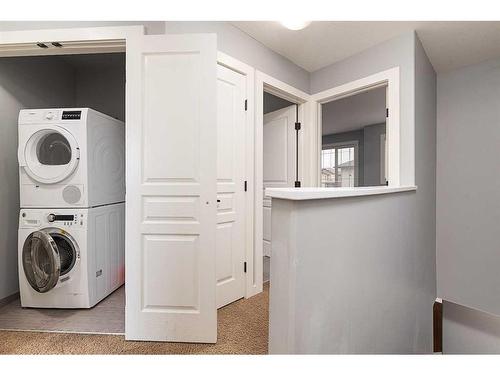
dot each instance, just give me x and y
(242, 329)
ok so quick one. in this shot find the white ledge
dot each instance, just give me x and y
(298, 194)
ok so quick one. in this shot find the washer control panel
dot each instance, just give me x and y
(66, 220)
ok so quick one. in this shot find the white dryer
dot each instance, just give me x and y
(71, 157)
(70, 258)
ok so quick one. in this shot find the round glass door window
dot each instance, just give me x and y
(54, 149)
(51, 155)
(47, 255)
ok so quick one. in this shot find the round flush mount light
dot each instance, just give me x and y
(295, 25)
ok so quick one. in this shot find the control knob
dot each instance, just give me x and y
(51, 218)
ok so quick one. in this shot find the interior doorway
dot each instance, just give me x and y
(281, 135)
(280, 153)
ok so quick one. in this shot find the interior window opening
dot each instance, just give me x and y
(353, 140)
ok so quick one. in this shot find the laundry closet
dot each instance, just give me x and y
(68, 91)
(189, 172)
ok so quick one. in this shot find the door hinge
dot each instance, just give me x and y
(245, 267)
(387, 112)
(245, 186)
(297, 126)
(246, 104)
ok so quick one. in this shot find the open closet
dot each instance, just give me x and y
(53, 90)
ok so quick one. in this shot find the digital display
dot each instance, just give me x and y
(64, 218)
(72, 115)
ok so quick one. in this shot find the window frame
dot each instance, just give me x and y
(391, 79)
(339, 145)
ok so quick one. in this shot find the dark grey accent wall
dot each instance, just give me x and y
(468, 206)
(273, 103)
(28, 82)
(100, 83)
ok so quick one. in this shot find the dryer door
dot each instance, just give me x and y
(50, 155)
(41, 261)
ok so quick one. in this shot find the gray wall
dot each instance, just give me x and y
(395, 52)
(32, 82)
(371, 159)
(468, 331)
(348, 293)
(468, 210)
(273, 103)
(241, 46)
(100, 83)
(354, 112)
(418, 114)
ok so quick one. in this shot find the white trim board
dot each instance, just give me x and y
(390, 78)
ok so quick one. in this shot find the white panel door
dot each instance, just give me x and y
(171, 188)
(279, 160)
(230, 238)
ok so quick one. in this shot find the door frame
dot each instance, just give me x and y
(264, 82)
(251, 283)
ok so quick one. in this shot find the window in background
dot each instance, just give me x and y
(339, 165)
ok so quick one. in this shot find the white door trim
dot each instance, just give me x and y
(389, 78)
(264, 82)
(252, 286)
(71, 34)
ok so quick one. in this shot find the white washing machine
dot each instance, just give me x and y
(70, 258)
(71, 157)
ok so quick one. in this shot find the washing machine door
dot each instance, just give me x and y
(50, 155)
(47, 255)
(41, 262)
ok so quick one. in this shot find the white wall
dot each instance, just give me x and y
(416, 211)
(468, 210)
(24, 83)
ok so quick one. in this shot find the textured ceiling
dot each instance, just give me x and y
(449, 45)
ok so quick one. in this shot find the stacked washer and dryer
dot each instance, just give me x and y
(72, 218)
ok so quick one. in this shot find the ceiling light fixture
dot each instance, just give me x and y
(295, 25)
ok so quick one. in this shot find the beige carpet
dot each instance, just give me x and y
(242, 329)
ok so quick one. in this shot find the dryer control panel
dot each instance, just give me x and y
(43, 116)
